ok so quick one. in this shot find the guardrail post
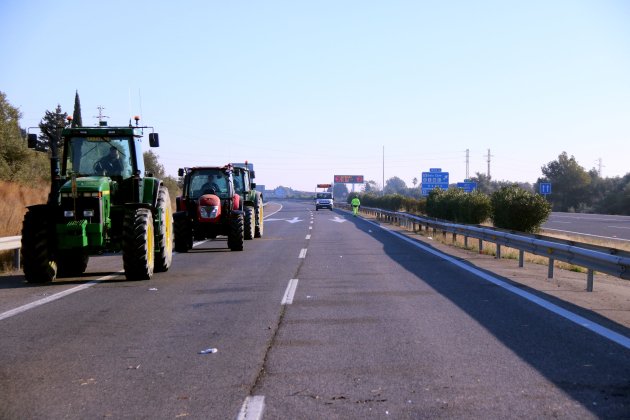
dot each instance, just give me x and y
(521, 258)
(444, 235)
(454, 237)
(480, 245)
(550, 269)
(465, 241)
(498, 253)
(16, 259)
(589, 280)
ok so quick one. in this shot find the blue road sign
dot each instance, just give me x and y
(467, 186)
(545, 187)
(435, 178)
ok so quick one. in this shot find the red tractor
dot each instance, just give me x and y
(209, 207)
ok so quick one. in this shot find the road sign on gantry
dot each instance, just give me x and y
(348, 179)
(435, 178)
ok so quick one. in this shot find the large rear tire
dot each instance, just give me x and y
(258, 233)
(137, 246)
(164, 235)
(250, 223)
(37, 254)
(236, 235)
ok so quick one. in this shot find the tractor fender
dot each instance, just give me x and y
(150, 188)
(237, 201)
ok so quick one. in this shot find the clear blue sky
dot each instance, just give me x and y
(311, 89)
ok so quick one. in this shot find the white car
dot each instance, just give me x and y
(324, 200)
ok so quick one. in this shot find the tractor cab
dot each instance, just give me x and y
(210, 181)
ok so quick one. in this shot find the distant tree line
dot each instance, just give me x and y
(574, 189)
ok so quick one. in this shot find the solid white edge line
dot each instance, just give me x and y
(56, 296)
(577, 319)
(588, 234)
(289, 293)
(302, 253)
(252, 408)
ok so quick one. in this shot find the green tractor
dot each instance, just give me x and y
(252, 200)
(99, 201)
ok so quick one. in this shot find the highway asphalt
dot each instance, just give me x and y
(327, 316)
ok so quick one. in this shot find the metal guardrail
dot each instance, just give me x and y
(606, 260)
(12, 243)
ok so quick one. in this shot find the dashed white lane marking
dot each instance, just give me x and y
(287, 299)
(310, 228)
(577, 319)
(302, 253)
(56, 296)
(308, 237)
(252, 408)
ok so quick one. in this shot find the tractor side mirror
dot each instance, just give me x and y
(32, 141)
(154, 140)
(253, 185)
(180, 172)
(252, 174)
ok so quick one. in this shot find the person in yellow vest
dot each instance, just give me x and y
(355, 205)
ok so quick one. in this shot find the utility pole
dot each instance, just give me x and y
(600, 165)
(383, 171)
(467, 163)
(489, 156)
(100, 115)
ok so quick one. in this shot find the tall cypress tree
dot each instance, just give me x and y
(51, 126)
(77, 121)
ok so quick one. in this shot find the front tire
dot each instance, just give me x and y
(236, 235)
(138, 251)
(37, 254)
(258, 232)
(69, 265)
(183, 235)
(250, 223)
(164, 235)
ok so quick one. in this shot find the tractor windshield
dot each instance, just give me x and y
(208, 181)
(98, 156)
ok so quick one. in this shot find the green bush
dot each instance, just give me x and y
(458, 206)
(514, 208)
(391, 202)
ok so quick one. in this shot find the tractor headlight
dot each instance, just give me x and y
(209, 212)
(68, 213)
(88, 213)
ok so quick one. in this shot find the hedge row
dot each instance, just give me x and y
(391, 202)
(511, 207)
